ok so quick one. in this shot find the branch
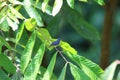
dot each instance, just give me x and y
(106, 35)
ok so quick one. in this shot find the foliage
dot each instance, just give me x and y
(111, 70)
(22, 57)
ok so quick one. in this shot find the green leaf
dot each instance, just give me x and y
(88, 66)
(15, 2)
(4, 26)
(16, 13)
(3, 11)
(81, 25)
(19, 33)
(12, 24)
(90, 69)
(2, 19)
(5, 43)
(118, 76)
(3, 76)
(90, 73)
(71, 3)
(26, 55)
(48, 9)
(57, 6)
(77, 73)
(2, 4)
(47, 75)
(110, 70)
(36, 2)
(18, 7)
(13, 40)
(44, 35)
(13, 17)
(7, 64)
(33, 68)
(62, 74)
(67, 48)
(100, 2)
(83, 0)
(41, 73)
(30, 24)
(33, 12)
(44, 5)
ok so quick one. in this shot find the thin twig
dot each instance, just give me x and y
(62, 55)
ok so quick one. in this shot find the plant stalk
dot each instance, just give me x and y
(107, 30)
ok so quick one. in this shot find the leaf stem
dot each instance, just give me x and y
(60, 52)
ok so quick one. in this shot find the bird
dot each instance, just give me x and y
(55, 43)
